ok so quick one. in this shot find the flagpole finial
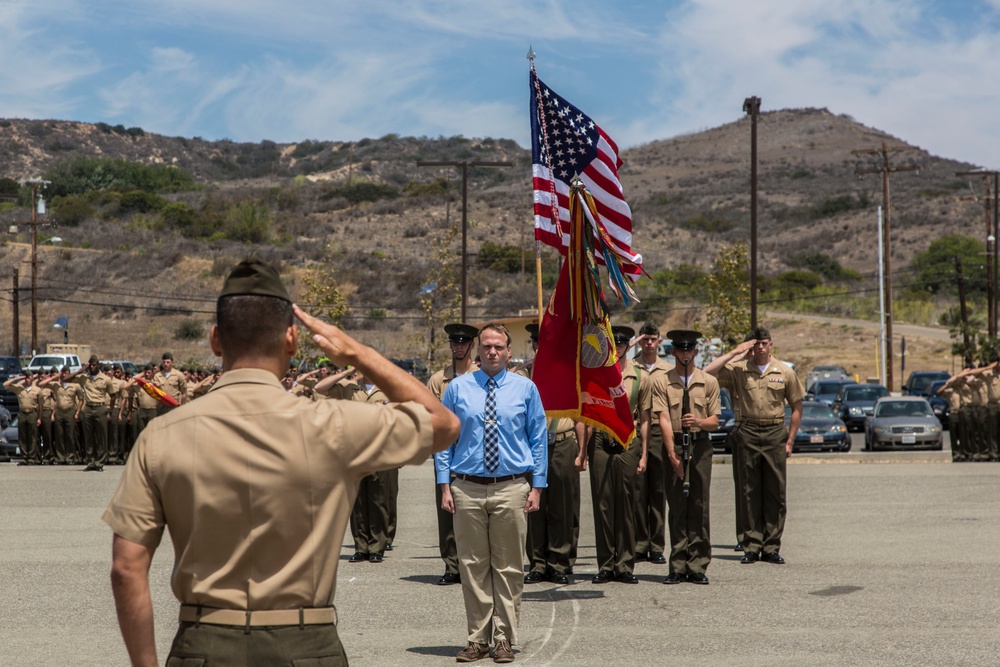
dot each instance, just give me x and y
(531, 55)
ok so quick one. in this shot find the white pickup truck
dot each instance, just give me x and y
(44, 362)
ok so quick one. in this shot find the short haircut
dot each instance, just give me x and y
(649, 329)
(494, 326)
(252, 326)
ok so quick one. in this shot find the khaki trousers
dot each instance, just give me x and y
(490, 530)
(198, 645)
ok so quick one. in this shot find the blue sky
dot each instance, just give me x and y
(926, 71)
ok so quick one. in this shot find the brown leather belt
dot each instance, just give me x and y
(258, 618)
(488, 480)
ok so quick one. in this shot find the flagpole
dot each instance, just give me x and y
(538, 278)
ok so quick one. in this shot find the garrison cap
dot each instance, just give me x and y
(93, 359)
(623, 334)
(532, 330)
(759, 333)
(684, 339)
(460, 333)
(252, 277)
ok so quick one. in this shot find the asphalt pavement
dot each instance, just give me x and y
(891, 561)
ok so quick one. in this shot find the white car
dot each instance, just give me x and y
(44, 362)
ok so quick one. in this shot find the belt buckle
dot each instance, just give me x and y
(552, 438)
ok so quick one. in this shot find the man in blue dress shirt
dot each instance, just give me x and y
(499, 465)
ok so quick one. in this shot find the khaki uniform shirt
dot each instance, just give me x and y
(146, 402)
(992, 382)
(977, 391)
(343, 390)
(760, 396)
(97, 390)
(647, 378)
(952, 395)
(667, 393)
(439, 381)
(27, 397)
(174, 384)
(68, 396)
(257, 486)
(47, 401)
(964, 391)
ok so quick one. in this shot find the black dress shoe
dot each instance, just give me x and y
(673, 578)
(749, 557)
(388, 547)
(698, 578)
(658, 559)
(375, 558)
(558, 578)
(772, 558)
(358, 557)
(626, 578)
(738, 547)
(569, 570)
(449, 578)
(639, 557)
(534, 577)
(601, 577)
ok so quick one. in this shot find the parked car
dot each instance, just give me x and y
(939, 404)
(903, 422)
(819, 430)
(720, 437)
(855, 402)
(825, 373)
(919, 382)
(8, 443)
(825, 391)
(44, 362)
(414, 367)
(120, 365)
(9, 367)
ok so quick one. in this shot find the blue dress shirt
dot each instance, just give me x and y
(521, 421)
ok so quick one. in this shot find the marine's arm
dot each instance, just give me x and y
(130, 585)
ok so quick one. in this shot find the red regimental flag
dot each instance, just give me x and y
(576, 369)
(157, 393)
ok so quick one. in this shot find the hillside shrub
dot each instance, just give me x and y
(84, 174)
(502, 258)
(138, 201)
(249, 222)
(189, 330)
(709, 225)
(71, 211)
(363, 191)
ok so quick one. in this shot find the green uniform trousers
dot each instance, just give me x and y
(688, 516)
(392, 494)
(762, 472)
(203, 645)
(551, 528)
(370, 514)
(613, 485)
(446, 535)
(94, 419)
(46, 448)
(64, 435)
(27, 436)
(651, 498)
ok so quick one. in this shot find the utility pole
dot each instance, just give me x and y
(992, 263)
(16, 307)
(751, 106)
(880, 165)
(967, 351)
(35, 184)
(464, 164)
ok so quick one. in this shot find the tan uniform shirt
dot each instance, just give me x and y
(992, 382)
(257, 486)
(439, 381)
(146, 402)
(647, 377)
(952, 395)
(27, 397)
(67, 396)
(343, 390)
(667, 393)
(174, 384)
(760, 396)
(47, 401)
(977, 391)
(97, 390)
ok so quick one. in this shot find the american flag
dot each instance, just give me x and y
(566, 143)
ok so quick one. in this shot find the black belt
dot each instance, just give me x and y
(489, 480)
(559, 437)
(97, 405)
(28, 412)
(697, 436)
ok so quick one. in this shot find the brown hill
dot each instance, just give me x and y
(129, 282)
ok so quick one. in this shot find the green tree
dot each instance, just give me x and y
(935, 267)
(729, 295)
(249, 222)
(502, 258)
(323, 299)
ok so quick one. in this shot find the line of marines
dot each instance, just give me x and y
(656, 488)
(973, 396)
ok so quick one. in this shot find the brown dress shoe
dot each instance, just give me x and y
(502, 652)
(473, 652)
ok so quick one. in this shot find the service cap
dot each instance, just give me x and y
(252, 277)
(460, 333)
(684, 339)
(623, 334)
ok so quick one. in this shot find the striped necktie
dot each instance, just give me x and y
(491, 434)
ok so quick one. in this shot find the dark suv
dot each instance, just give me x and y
(9, 367)
(920, 381)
